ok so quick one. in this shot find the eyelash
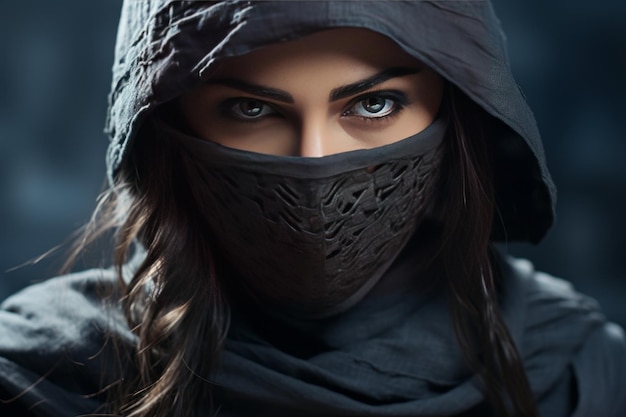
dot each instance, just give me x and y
(399, 99)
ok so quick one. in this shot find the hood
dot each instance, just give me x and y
(164, 48)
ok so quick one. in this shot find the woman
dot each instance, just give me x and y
(311, 192)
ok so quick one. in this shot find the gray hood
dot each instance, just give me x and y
(164, 48)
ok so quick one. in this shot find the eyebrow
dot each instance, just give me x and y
(359, 86)
(257, 90)
(336, 94)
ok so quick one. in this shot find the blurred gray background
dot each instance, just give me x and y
(569, 56)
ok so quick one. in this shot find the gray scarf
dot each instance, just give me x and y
(395, 353)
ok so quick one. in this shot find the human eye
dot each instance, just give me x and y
(247, 109)
(377, 105)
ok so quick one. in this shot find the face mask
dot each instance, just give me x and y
(309, 237)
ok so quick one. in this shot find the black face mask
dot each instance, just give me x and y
(309, 237)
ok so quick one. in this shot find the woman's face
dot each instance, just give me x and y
(333, 91)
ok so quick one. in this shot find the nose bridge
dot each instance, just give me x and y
(313, 134)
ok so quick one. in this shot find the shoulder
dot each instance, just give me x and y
(58, 312)
(563, 332)
(600, 370)
(539, 298)
(52, 343)
(537, 284)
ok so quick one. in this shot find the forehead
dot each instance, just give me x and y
(343, 51)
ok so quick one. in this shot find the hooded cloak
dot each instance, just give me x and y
(164, 48)
(394, 355)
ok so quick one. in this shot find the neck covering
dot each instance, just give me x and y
(309, 237)
(364, 362)
(395, 353)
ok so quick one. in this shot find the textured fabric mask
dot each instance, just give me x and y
(309, 237)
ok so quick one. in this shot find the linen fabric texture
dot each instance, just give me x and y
(390, 355)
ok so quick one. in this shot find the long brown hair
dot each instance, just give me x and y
(176, 305)
(467, 258)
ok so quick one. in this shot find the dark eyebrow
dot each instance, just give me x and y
(359, 86)
(257, 90)
(336, 94)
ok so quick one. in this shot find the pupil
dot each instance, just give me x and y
(251, 108)
(374, 104)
